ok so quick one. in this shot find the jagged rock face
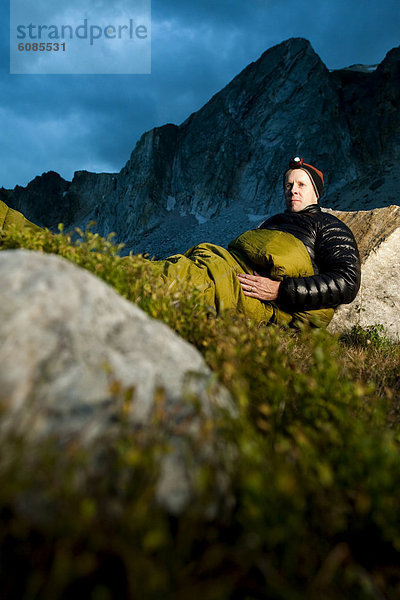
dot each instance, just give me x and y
(68, 341)
(370, 102)
(44, 198)
(219, 172)
(378, 236)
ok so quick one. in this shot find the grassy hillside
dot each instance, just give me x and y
(311, 508)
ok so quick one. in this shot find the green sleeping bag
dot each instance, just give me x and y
(212, 270)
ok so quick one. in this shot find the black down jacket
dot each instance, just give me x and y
(334, 256)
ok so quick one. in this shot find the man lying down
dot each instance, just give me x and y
(296, 266)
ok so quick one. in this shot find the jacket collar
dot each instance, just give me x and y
(311, 208)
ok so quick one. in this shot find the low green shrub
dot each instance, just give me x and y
(310, 508)
(372, 335)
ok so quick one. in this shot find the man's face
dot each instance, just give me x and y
(299, 191)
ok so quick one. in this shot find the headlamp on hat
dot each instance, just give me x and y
(295, 163)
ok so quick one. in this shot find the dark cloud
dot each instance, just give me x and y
(92, 122)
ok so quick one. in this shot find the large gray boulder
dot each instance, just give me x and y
(378, 302)
(71, 349)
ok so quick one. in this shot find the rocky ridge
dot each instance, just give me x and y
(219, 172)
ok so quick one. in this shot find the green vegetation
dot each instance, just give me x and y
(311, 507)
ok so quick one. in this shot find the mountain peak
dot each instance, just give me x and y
(219, 172)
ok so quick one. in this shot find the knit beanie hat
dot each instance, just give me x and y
(317, 178)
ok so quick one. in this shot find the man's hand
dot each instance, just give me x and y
(259, 287)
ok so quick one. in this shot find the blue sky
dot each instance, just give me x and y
(71, 122)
